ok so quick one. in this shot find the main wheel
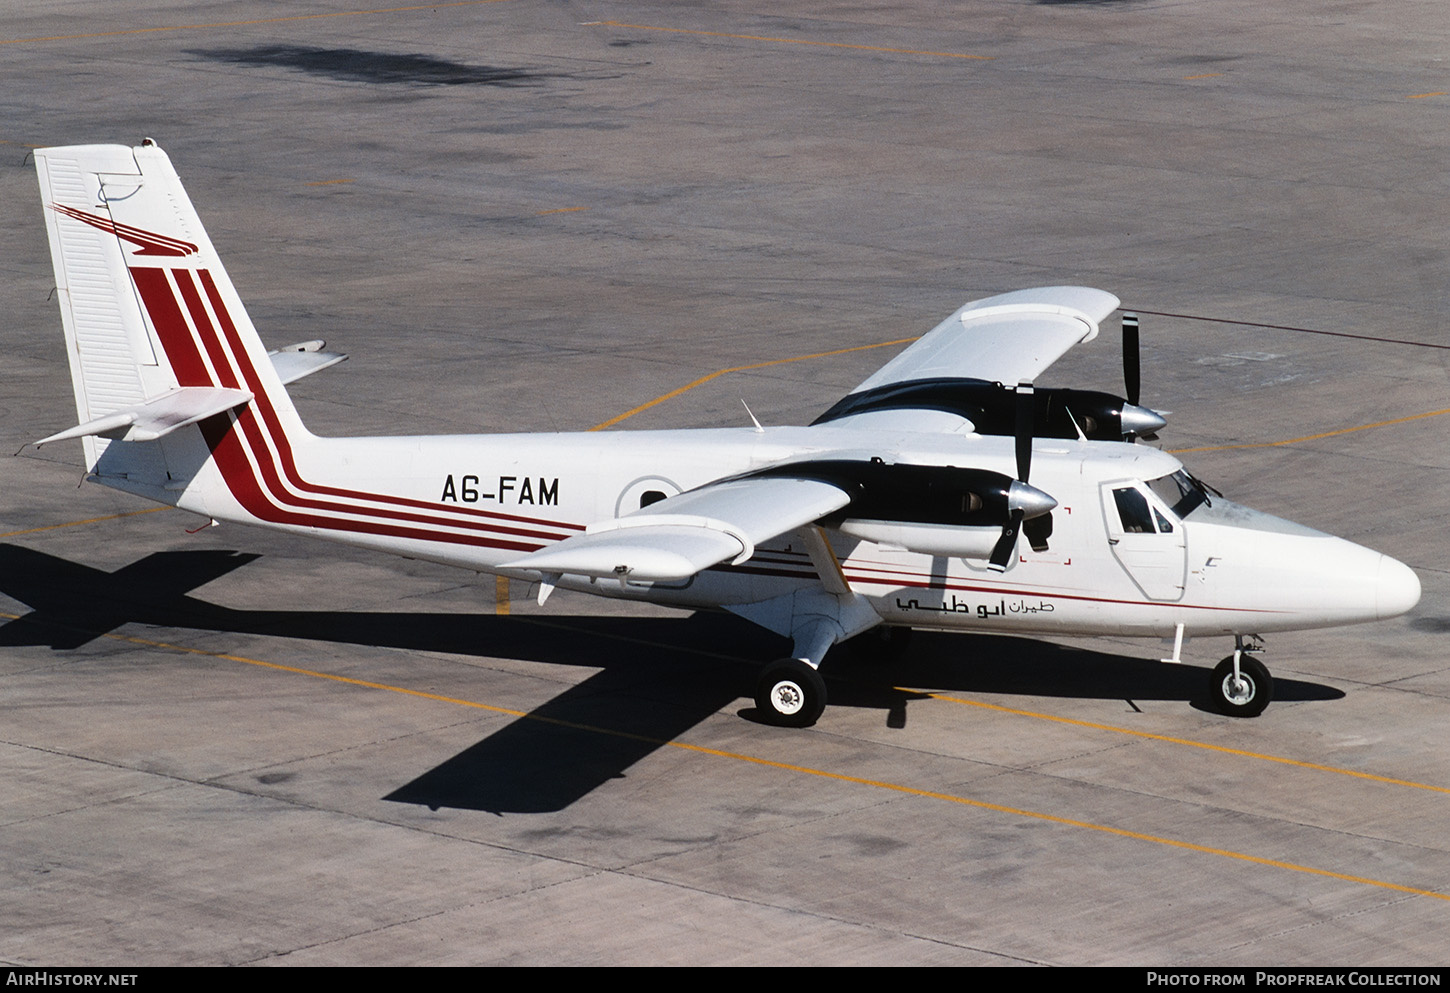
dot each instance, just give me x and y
(1246, 696)
(790, 694)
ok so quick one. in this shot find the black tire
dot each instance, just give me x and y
(790, 694)
(1250, 697)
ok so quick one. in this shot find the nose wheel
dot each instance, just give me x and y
(1245, 692)
(790, 694)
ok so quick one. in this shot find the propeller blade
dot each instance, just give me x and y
(1026, 400)
(1038, 530)
(1131, 371)
(1007, 544)
(1026, 497)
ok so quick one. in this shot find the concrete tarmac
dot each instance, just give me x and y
(232, 747)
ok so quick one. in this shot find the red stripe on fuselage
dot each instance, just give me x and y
(283, 448)
(231, 455)
(226, 448)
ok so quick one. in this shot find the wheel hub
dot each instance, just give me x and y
(789, 698)
(1238, 691)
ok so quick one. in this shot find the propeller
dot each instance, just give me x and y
(1136, 421)
(1132, 378)
(1024, 501)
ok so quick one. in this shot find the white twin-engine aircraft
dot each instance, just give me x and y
(905, 505)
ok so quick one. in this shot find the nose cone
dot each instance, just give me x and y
(1397, 588)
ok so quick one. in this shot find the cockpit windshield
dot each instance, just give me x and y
(1186, 494)
(1181, 492)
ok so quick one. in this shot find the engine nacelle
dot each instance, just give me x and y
(992, 408)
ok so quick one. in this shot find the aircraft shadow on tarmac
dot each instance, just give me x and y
(359, 66)
(652, 685)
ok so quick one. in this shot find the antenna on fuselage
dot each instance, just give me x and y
(758, 428)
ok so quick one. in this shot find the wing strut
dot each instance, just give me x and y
(823, 557)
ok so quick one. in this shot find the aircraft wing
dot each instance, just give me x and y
(678, 537)
(1006, 339)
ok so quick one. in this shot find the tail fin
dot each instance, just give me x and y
(157, 338)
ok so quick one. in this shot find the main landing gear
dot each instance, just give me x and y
(1241, 685)
(790, 694)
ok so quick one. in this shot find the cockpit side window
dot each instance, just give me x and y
(1181, 492)
(1133, 511)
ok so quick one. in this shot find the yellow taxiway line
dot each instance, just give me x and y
(502, 608)
(879, 784)
(88, 520)
(501, 596)
(1068, 822)
(905, 341)
(739, 368)
(1314, 437)
(1242, 753)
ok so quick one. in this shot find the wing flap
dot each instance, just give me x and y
(656, 554)
(678, 537)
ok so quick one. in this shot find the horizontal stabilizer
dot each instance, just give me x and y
(159, 417)
(676, 538)
(303, 359)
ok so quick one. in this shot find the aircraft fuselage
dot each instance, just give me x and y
(479, 501)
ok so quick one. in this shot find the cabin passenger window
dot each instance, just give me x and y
(1133, 511)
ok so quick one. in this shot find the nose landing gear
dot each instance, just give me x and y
(1241, 685)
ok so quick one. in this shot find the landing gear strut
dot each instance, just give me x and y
(1241, 685)
(790, 694)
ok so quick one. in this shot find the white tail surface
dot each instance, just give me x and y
(157, 338)
(178, 400)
